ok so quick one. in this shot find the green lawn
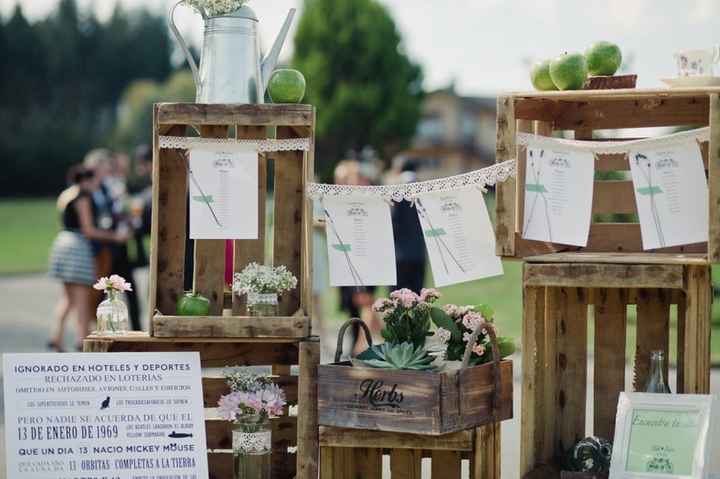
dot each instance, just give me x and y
(28, 228)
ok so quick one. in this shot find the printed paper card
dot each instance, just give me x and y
(360, 242)
(458, 236)
(100, 415)
(671, 194)
(558, 195)
(223, 194)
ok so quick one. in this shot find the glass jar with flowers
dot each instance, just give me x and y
(253, 399)
(263, 285)
(112, 313)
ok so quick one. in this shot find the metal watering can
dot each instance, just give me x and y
(231, 68)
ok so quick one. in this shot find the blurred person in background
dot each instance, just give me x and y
(72, 257)
(409, 242)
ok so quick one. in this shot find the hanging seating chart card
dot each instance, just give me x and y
(223, 194)
(671, 193)
(558, 195)
(458, 236)
(104, 415)
(360, 242)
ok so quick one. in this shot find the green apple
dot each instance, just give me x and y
(540, 76)
(286, 86)
(193, 304)
(603, 58)
(569, 71)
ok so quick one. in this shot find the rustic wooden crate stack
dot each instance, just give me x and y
(612, 272)
(227, 337)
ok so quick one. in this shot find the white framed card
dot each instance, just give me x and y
(558, 195)
(104, 415)
(360, 241)
(459, 237)
(223, 194)
(661, 436)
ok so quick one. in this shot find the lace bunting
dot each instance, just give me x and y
(271, 144)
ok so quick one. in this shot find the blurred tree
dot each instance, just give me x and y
(366, 89)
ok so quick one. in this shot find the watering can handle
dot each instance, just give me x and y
(183, 45)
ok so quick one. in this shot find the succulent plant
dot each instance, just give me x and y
(397, 356)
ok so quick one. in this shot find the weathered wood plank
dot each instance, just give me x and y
(571, 343)
(621, 258)
(680, 358)
(614, 197)
(288, 218)
(345, 437)
(214, 387)
(618, 93)
(603, 275)
(267, 114)
(308, 449)
(445, 464)
(209, 264)
(220, 465)
(653, 323)
(405, 463)
(714, 179)
(169, 216)
(698, 302)
(231, 326)
(609, 371)
(248, 251)
(505, 190)
(551, 383)
(533, 409)
(485, 462)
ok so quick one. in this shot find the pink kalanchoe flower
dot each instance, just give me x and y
(429, 295)
(473, 320)
(479, 349)
(443, 335)
(450, 310)
(406, 297)
(382, 304)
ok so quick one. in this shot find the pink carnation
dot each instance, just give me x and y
(114, 282)
(406, 297)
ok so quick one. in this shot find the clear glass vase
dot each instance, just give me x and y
(262, 304)
(252, 447)
(112, 315)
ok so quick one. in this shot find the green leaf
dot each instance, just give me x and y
(486, 310)
(441, 320)
(506, 346)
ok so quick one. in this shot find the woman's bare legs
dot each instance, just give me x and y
(62, 310)
(80, 301)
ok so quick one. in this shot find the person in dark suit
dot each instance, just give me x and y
(409, 242)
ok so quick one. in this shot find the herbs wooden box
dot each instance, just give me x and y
(419, 402)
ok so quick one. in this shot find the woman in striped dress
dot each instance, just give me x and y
(71, 256)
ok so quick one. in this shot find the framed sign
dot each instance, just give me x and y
(104, 415)
(661, 436)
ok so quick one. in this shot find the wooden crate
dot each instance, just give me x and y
(300, 431)
(582, 112)
(558, 291)
(352, 454)
(292, 225)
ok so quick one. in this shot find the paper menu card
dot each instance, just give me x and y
(558, 195)
(671, 194)
(360, 242)
(458, 236)
(223, 194)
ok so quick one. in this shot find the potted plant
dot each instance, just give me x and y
(263, 285)
(253, 399)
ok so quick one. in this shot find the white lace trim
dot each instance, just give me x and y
(609, 147)
(408, 191)
(187, 142)
(252, 442)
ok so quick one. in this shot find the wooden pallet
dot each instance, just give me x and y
(292, 225)
(300, 431)
(352, 453)
(582, 112)
(558, 289)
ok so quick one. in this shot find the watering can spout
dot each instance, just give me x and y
(270, 61)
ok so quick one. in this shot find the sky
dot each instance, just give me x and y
(486, 46)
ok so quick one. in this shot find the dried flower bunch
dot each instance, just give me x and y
(262, 279)
(113, 283)
(251, 393)
(214, 8)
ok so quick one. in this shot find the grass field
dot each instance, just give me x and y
(29, 226)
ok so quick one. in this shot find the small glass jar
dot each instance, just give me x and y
(262, 304)
(112, 315)
(252, 447)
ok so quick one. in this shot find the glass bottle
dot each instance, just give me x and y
(252, 447)
(656, 380)
(262, 304)
(112, 315)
